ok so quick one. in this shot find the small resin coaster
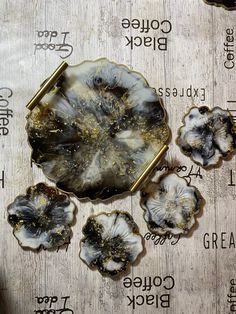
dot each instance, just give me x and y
(227, 4)
(111, 242)
(170, 205)
(42, 217)
(98, 130)
(207, 135)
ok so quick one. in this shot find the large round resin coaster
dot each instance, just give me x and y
(42, 217)
(111, 242)
(227, 4)
(207, 135)
(170, 205)
(97, 131)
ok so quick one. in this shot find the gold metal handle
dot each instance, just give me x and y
(47, 85)
(149, 169)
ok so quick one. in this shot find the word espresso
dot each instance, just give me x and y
(232, 296)
(5, 113)
(162, 239)
(161, 300)
(190, 92)
(143, 27)
(52, 40)
(53, 305)
(229, 49)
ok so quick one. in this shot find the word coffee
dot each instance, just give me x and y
(229, 63)
(5, 113)
(231, 296)
(157, 300)
(142, 27)
(162, 239)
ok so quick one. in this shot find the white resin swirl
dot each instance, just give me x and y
(170, 205)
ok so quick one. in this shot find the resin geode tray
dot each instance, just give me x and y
(98, 129)
(227, 4)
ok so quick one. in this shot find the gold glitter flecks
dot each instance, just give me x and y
(84, 138)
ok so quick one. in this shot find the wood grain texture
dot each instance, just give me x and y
(194, 57)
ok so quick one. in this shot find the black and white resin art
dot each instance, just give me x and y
(97, 130)
(207, 135)
(42, 217)
(170, 205)
(111, 242)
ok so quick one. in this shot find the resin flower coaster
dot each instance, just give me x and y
(207, 135)
(227, 4)
(170, 205)
(98, 130)
(111, 242)
(42, 217)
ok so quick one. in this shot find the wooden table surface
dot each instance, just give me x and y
(190, 72)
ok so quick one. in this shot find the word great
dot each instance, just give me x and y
(232, 296)
(222, 240)
(5, 112)
(53, 41)
(142, 27)
(229, 49)
(161, 239)
(53, 305)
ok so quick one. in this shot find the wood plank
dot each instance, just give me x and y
(194, 59)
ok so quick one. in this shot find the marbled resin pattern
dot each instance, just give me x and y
(42, 217)
(227, 4)
(170, 205)
(111, 242)
(207, 135)
(97, 130)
